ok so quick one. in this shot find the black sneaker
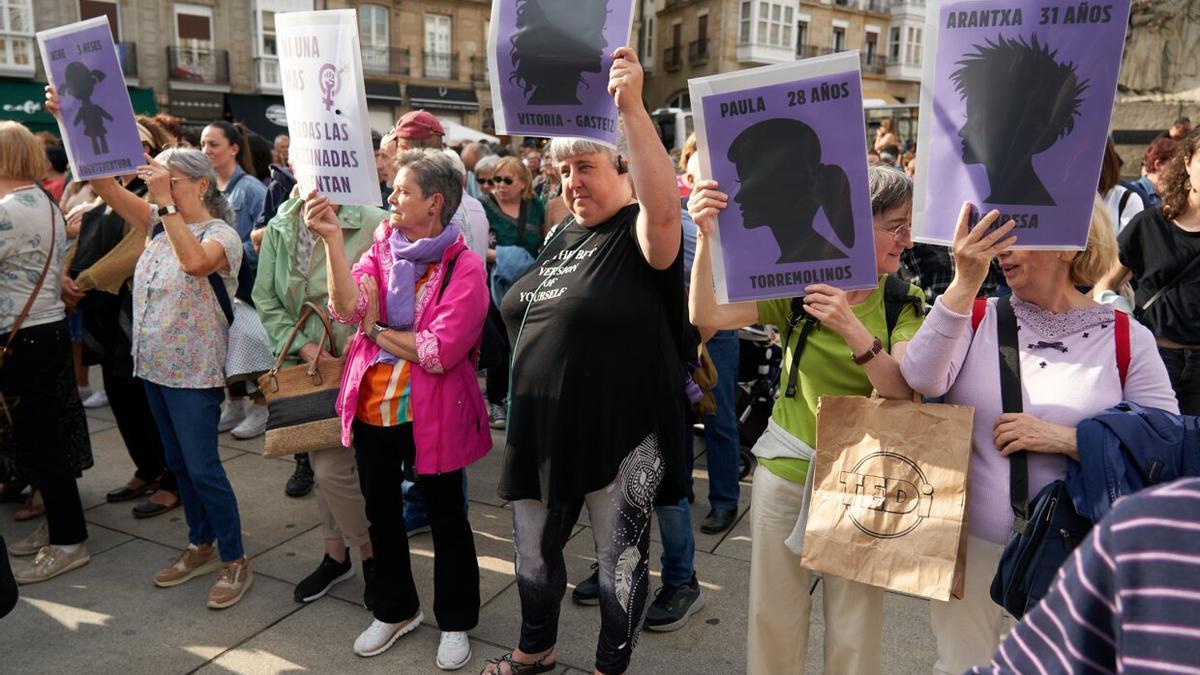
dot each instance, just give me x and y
(587, 592)
(301, 482)
(369, 583)
(673, 605)
(329, 574)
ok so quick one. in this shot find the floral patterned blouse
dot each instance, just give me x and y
(180, 334)
(25, 222)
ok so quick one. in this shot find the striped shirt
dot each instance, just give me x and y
(1127, 600)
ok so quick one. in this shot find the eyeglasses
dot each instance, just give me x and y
(899, 231)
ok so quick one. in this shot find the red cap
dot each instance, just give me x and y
(418, 125)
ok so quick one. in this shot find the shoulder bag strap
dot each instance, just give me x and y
(521, 216)
(1010, 395)
(1121, 336)
(798, 315)
(37, 288)
(1123, 202)
(446, 275)
(978, 310)
(218, 287)
(1139, 312)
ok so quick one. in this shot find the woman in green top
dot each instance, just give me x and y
(292, 270)
(852, 330)
(512, 210)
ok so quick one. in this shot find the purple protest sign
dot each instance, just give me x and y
(1016, 100)
(786, 143)
(549, 66)
(97, 124)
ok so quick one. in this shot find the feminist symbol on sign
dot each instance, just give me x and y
(330, 81)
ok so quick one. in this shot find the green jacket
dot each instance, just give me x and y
(280, 292)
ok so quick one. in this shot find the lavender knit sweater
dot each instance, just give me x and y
(1068, 373)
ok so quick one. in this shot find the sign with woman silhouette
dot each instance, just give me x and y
(549, 62)
(1016, 100)
(786, 143)
(97, 125)
(320, 66)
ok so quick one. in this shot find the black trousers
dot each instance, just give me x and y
(381, 453)
(1183, 367)
(127, 398)
(41, 358)
(495, 355)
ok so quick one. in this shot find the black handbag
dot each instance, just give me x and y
(1044, 532)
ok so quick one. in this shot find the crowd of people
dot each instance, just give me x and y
(580, 284)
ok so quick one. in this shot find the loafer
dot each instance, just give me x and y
(149, 509)
(126, 493)
(718, 520)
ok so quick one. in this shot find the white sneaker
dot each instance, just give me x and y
(380, 636)
(98, 399)
(254, 424)
(232, 414)
(454, 650)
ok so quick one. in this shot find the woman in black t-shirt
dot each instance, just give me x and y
(1160, 251)
(596, 411)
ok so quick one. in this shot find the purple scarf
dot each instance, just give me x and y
(410, 261)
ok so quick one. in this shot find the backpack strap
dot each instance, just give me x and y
(978, 310)
(1121, 337)
(895, 298)
(797, 315)
(1123, 202)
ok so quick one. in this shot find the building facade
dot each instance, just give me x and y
(683, 39)
(216, 59)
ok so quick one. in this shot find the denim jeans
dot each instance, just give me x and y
(721, 436)
(187, 422)
(675, 526)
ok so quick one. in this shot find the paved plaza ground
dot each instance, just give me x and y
(109, 618)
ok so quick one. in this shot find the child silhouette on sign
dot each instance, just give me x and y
(556, 42)
(81, 83)
(783, 185)
(1020, 102)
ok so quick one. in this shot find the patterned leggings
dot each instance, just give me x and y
(620, 518)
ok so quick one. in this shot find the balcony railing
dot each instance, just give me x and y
(479, 71)
(672, 58)
(809, 51)
(441, 66)
(873, 63)
(199, 66)
(698, 52)
(127, 55)
(391, 60)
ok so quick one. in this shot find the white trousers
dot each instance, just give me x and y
(969, 631)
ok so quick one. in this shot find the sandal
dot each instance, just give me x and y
(34, 508)
(492, 666)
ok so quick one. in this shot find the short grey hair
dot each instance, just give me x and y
(889, 187)
(435, 174)
(560, 149)
(195, 165)
(456, 162)
(487, 163)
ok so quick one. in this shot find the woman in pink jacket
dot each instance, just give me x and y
(409, 392)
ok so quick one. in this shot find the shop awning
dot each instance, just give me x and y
(384, 91)
(456, 132)
(263, 114)
(442, 98)
(21, 101)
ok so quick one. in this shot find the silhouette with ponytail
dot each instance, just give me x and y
(1020, 102)
(783, 185)
(555, 43)
(81, 83)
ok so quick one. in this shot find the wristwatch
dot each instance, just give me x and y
(375, 329)
(164, 211)
(876, 347)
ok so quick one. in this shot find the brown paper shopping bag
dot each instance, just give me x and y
(889, 494)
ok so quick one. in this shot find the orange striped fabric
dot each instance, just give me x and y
(384, 398)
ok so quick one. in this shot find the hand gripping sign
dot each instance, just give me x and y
(1016, 100)
(97, 123)
(320, 66)
(549, 66)
(786, 143)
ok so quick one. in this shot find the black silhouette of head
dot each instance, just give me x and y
(783, 185)
(81, 81)
(1020, 102)
(555, 43)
